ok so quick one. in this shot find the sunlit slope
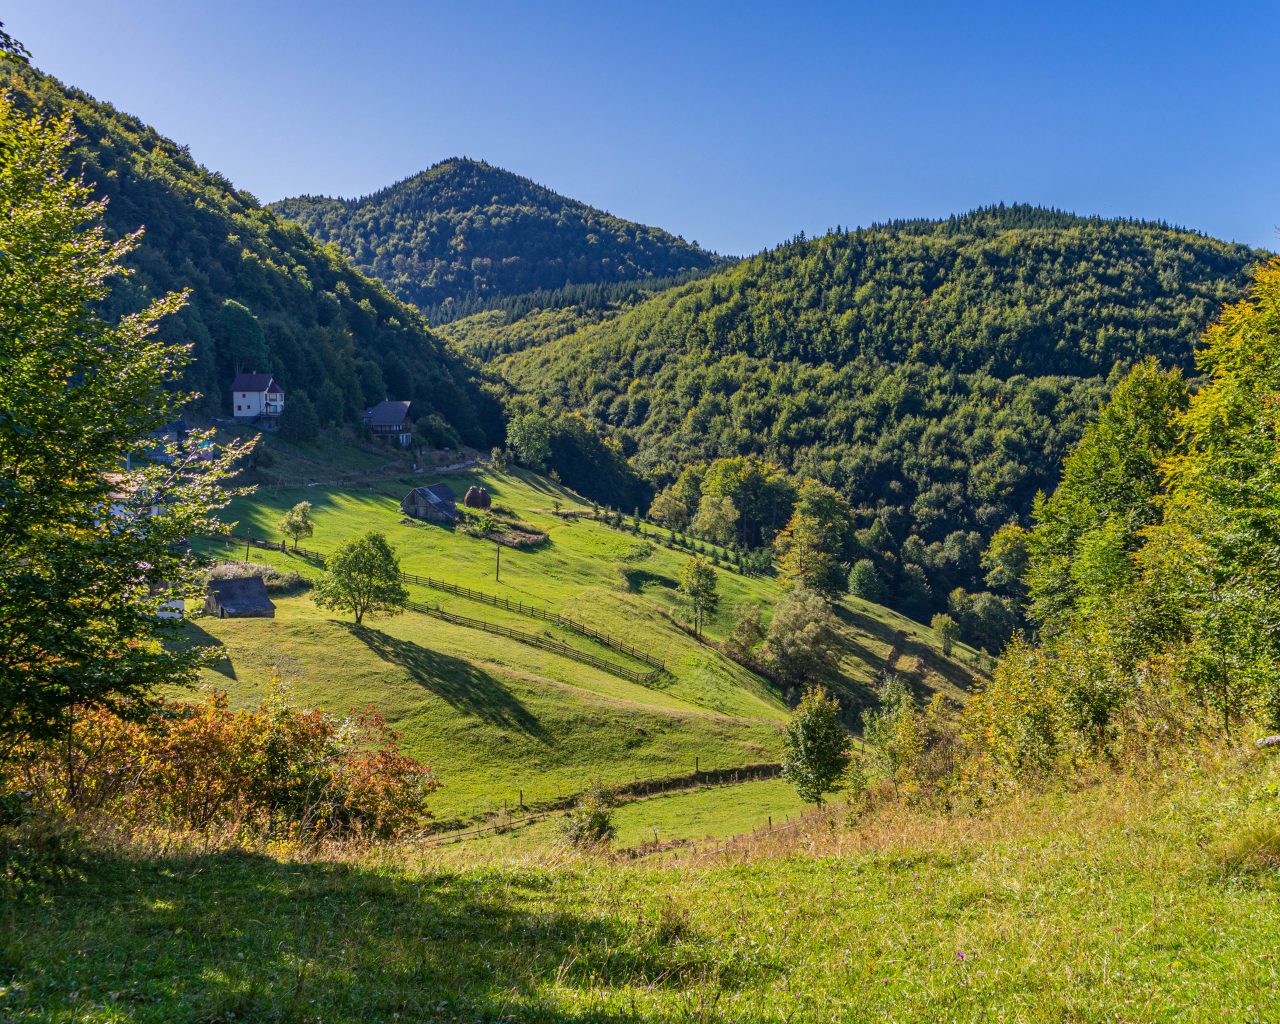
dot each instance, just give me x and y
(494, 715)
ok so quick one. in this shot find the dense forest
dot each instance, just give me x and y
(933, 372)
(462, 235)
(1150, 575)
(263, 294)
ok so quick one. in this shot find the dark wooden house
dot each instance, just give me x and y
(389, 421)
(437, 503)
(243, 598)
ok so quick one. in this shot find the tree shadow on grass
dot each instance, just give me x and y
(238, 936)
(638, 580)
(902, 642)
(192, 635)
(458, 683)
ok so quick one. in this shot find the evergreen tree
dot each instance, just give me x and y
(864, 581)
(299, 421)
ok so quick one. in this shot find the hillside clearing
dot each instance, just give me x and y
(496, 717)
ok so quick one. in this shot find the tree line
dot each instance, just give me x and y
(464, 233)
(933, 374)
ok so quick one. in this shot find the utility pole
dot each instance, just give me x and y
(497, 566)
(248, 537)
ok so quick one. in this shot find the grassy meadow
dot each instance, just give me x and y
(498, 719)
(1153, 899)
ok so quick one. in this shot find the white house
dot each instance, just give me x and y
(256, 394)
(128, 499)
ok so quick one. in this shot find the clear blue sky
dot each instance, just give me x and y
(735, 124)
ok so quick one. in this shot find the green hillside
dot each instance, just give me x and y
(263, 294)
(495, 716)
(464, 233)
(934, 372)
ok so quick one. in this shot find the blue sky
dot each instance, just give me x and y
(735, 124)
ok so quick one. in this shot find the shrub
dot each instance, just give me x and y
(638, 552)
(275, 770)
(272, 578)
(590, 822)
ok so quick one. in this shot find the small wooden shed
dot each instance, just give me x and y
(437, 503)
(243, 598)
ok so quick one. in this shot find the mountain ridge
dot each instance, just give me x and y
(465, 231)
(264, 293)
(934, 377)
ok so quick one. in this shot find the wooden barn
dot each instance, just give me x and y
(389, 421)
(437, 503)
(244, 598)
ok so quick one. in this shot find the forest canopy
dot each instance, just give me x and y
(463, 233)
(935, 373)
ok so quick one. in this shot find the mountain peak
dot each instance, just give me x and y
(464, 231)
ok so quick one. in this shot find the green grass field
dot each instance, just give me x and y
(496, 717)
(1152, 900)
(707, 812)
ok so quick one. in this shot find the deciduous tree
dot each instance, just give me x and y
(818, 541)
(362, 577)
(297, 523)
(815, 752)
(89, 551)
(801, 642)
(697, 587)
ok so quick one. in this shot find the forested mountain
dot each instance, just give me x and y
(463, 234)
(934, 372)
(264, 294)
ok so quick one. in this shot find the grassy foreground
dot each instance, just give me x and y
(1153, 900)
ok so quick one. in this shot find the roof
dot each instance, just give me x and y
(177, 429)
(441, 492)
(256, 382)
(388, 414)
(245, 594)
(439, 496)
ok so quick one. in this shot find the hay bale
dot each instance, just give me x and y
(477, 497)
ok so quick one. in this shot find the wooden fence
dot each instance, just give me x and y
(533, 640)
(533, 612)
(501, 818)
(507, 604)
